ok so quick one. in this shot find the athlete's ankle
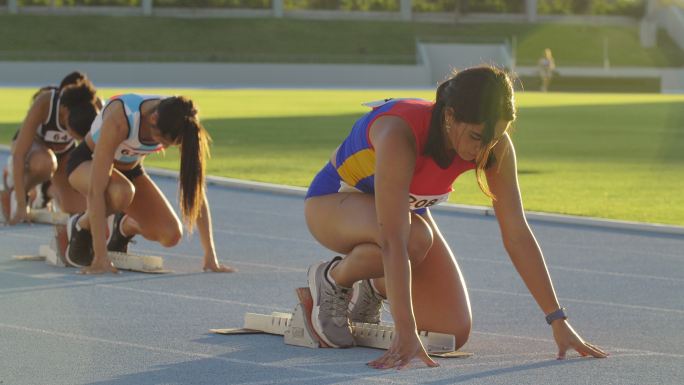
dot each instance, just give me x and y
(337, 277)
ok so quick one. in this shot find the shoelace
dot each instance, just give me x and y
(336, 302)
(371, 306)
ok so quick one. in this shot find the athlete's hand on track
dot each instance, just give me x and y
(20, 215)
(566, 338)
(402, 351)
(212, 264)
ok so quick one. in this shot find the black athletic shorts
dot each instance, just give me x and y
(82, 154)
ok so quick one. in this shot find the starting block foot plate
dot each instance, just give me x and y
(297, 330)
(233, 331)
(139, 263)
(28, 257)
(49, 217)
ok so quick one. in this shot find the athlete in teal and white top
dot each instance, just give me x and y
(107, 168)
(133, 148)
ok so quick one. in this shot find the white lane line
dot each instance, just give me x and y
(638, 307)
(262, 236)
(507, 263)
(228, 261)
(299, 216)
(580, 270)
(193, 297)
(454, 236)
(276, 238)
(71, 336)
(489, 291)
(155, 292)
(609, 348)
(287, 380)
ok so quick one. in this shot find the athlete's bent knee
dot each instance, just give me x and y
(120, 196)
(42, 166)
(461, 331)
(171, 236)
(420, 240)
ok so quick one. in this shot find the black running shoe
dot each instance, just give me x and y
(42, 198)
(79, 252)
(118, 242)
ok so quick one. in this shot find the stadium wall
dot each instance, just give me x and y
(214, 75)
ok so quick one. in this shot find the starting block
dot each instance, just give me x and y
(49, 217)
(54, 254)
(34, 215)
(296, 328)
(141, 263)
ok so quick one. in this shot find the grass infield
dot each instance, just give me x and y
(613, 156)
(62, 38)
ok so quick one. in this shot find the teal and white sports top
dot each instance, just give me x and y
(133, 148)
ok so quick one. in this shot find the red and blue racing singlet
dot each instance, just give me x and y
(355, 159)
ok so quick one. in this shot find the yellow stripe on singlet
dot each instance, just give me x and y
(357, 167)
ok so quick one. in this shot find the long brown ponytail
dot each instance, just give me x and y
(178, 122)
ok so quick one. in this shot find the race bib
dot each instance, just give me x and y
(423, 201)
(54, 136)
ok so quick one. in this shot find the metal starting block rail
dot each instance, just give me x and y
(297, 330)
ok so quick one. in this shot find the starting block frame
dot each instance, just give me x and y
(35, 215)
(297, 330)
(141, 263)
(150, 264)
(54, 254)
(48, 217)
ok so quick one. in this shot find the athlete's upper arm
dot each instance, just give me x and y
(502, 178)
(395, 151)
(36, 115)
(114, 130)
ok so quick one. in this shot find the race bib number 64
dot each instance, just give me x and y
(54, 136)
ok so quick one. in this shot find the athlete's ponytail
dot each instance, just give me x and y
(179, 123)
(478, 95)
(80, 100)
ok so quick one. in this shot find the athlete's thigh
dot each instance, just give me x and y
(40, 157)
(440, 297)
(341, 221)
(70, 199)
(150, 208)
(80, 178)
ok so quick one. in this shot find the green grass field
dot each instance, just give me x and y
(34, 37)
(604, 155)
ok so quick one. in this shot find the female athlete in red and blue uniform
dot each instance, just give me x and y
(354, 164)
(371, 203)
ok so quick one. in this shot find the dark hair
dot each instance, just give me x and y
(476, 95)
(179, 123)
(71, 78)
(80, 100)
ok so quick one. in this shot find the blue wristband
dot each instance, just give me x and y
(558, 314)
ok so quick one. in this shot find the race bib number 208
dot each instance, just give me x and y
(422, 201)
